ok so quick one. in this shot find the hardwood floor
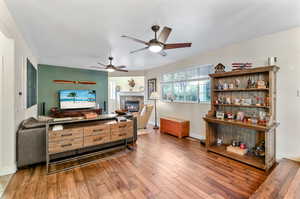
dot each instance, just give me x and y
(282, 183)
(162, 166)
(3, 182)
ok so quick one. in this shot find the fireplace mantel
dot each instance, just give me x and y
(131, 93)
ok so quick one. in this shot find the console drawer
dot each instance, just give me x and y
(96, 139)
(96, 130)
(118, 135)
(121, 133)
(121, 125)
(65, 134)
(65, 145)
(129, 132)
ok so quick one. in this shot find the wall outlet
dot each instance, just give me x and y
(298, 92)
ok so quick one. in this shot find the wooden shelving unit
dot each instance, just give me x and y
(249, 158)
(242, 89)
(245, 106)
(256, 127)
(249, 133)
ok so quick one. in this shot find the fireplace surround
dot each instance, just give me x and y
(133, 99)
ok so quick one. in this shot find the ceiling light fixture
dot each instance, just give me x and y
(155, 47)
(110, 70)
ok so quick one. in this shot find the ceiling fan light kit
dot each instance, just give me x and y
(158, 45)
(110, 70)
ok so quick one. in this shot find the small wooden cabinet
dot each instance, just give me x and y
(175, 126)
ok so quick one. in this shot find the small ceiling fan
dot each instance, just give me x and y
(110, 67)
(158, 45)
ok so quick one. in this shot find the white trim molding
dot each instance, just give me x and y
(8, 170)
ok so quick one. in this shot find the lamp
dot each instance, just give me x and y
(155, 96)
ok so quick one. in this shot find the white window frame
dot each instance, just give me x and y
(206, 78)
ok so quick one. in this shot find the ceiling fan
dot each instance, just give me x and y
(158, 45)
(110, 67)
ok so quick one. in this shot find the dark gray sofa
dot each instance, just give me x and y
(31, 143)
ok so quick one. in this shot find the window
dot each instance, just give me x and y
(31, 85)
(190, 85)
(112, 93)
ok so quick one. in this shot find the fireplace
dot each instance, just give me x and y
(132, 106)
(134, 99)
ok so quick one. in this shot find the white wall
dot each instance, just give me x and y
(7, 110)
(17, 76)
(284, 45)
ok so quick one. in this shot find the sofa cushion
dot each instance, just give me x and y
(33, 123)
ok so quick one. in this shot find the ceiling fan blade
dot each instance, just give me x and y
(101, 64)
(164, 34)
(162, 53)
(136, 40)
(120, 66)
(177, 45)
(139, 50)
(121, 70)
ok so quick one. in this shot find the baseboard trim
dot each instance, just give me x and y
(197, 136)
(295, 159)
(8, 170)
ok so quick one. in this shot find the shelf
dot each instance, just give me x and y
(241, 89)
(245, 106)
(238, 123)
(245, 72)
(248, 158)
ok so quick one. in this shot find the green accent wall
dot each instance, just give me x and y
(48, 90)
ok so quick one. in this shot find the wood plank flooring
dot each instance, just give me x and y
(162, 166)
(282, 183)
(3, 182)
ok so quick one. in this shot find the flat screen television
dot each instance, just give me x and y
(77, 99)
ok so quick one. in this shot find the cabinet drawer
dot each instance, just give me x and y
(65, 134)
(129, 132)
(65, 145)
(96, 130)
(121, 125)
(121, 133)
(118, 135)
(96, 139)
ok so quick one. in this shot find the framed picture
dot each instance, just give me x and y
(151, 86)
(220, 115)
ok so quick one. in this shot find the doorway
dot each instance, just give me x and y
(129, 84)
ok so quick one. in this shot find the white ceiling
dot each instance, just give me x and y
(82, 32)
